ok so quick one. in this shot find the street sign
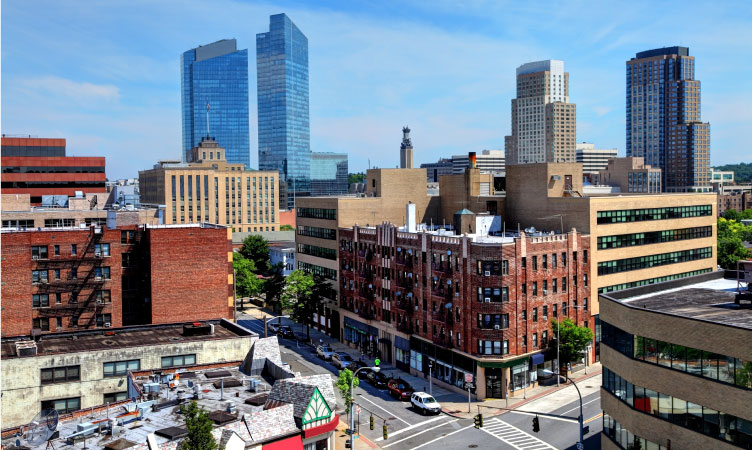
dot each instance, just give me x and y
(469, 385)
(357, 409)
(468, 378)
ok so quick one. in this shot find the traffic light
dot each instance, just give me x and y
(386, 432)
(478, 420)
(370, 422)
(536, 425)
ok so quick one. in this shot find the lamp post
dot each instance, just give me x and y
(274, 317)
(375, 368)
(430, 383)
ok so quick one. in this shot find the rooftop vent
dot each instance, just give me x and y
(198, 329)
(26, 348)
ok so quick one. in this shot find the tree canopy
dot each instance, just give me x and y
(731, 237)
(742, 171)
(286, 227)
(256, 248)
(199, 428)
(273, 287)
(247, 284)
(356, 178)
(574, 339)
(343, 384)
(299, 297)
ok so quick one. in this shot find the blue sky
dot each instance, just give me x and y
(106, 75)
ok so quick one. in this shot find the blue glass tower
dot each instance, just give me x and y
(328, 174)
(283, 124)
(217, 75)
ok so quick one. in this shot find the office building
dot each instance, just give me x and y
(283, 121)
(721, 177)
(39, 167)
(677, 365)
(474, 303)
(328, 174)
(544, 123)
(631, 175)
(68, 279)
(406, 150)
(214, 99)
(663, 118)
(493, 161)
(435, 170)
(593, 159)
(209, 189)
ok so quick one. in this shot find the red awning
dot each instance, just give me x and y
(321, 429)
(291, 443)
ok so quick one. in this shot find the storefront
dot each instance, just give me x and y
(447, 366)
(402, 353)
(502, 376)
(364, 337)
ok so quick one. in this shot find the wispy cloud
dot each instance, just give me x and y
(77, 90)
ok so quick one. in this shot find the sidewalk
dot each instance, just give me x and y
(340, 437)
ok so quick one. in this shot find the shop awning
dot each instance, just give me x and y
(291, 443)
(503, 364)
(363, 328)
(321, 429)
(537, 358)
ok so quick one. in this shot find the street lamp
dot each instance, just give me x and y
(274, 317)
(375, 368)
(430, 383)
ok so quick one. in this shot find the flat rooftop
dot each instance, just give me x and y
(708, 298)
(116, 338)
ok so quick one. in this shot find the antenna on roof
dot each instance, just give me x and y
(42, 428)
(207, 117)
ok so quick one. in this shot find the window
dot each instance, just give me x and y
(127, 237)
(102, 272)
(535, 288)
(40, 300)
(39, 276)
(524, 315)
(535, 340)
(57, 274)
(535, 314)
(126, 262)
(63, 405)
(535, 263)
(39, 252)
(120, 368)
(554, 285)
(563, 259)
(41, 323)
(102, 249)
(584, 279)
(103, 319)
(639, 215)
(555, 310)
(653, 237)
(563, 284)
(61, 374)
(544, 261)
(73, 273)
(180, 360)
(73, 249)
(553, 261)
(103, 296)
(643, 262)
(56, 249)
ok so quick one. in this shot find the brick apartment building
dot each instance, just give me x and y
(474, 304)
(38, 166)
(69, 279)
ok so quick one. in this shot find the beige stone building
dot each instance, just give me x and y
(676, 367)
(631, 175)
(209, 189)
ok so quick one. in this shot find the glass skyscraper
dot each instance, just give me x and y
(283, 123)
(663, 118)
(328, 174)
(214, 80)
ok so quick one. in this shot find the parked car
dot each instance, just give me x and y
(341, 360)
(400, 388)
(363, 374)
(425, 403)
(272, 327)
(286, 332)
(377, 379)
(324, 351)
(545, 374)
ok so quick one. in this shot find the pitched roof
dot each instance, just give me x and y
(298, 391)
(271, 422)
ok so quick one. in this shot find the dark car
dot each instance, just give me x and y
(377, 379)
(363, 374)
(400, 389)
(286, 332)
(355, 365)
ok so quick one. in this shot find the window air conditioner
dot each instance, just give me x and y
(98, 277)
(35, 257)
(487, 300)
(107, 324)
(497, 327)
(97, 254)
(487, 273)
(545, 291)
(99, 300)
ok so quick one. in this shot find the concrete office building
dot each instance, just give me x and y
(544, 123)
(435, 170)
(631, 175)
(214, 99)
(406, 149)
(677, 365)
(663, 118)
(328, 174)
(593, 159)
(493, 161)
(721, 177)
(474, 303)
(209, 189)
(284, 135)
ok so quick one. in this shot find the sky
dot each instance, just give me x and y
(106, 75)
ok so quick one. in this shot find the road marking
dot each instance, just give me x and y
(419, 433)
(442, 437)
(520, 436)
(593, 418)
(402, 430)
(527, 413)
(386, 411)
(586, 403)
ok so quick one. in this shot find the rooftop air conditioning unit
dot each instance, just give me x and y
(487, 273)
(107, 324)
(487, 300)
(497, 327)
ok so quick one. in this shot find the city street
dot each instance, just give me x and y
(408, 429)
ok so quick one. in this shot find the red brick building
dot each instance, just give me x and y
(72, 278)
(38, 166)
(470, 305)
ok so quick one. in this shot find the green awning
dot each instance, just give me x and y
(504, 364)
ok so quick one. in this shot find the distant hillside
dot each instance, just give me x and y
(742, 171)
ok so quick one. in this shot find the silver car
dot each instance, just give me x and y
(324, 351)
(341, 360)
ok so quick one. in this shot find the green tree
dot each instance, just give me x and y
(356, 178)
(247, 283)
(273, 287)
(286, 227)
(199, 428)
(731, 250)
(574, 339)
(256, 248)
(732, 214)
(343, 384)
(298, 299)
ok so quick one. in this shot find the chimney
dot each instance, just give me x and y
(471, 157)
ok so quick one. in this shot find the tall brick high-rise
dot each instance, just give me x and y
(544, 123)
(663, 118)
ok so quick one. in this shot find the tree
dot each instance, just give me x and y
(731, 236)
(247, 283)
(297, 298)
(343, 384)
(199, 428)
(574, 339)
(731, 250)
(356, 178)
(286, 227)
(256, 248)
(274, 285)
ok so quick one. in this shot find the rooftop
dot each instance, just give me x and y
(708, 298)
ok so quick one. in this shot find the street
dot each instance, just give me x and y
(409, 430)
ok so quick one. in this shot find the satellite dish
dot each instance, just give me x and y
(41, 427)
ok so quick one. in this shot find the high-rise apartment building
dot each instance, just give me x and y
(406, 150)
(543, 121)
(283, 121)
(328, 173)
(663, 118)
(214, 97)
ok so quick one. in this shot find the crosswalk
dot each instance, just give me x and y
(513, 436)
